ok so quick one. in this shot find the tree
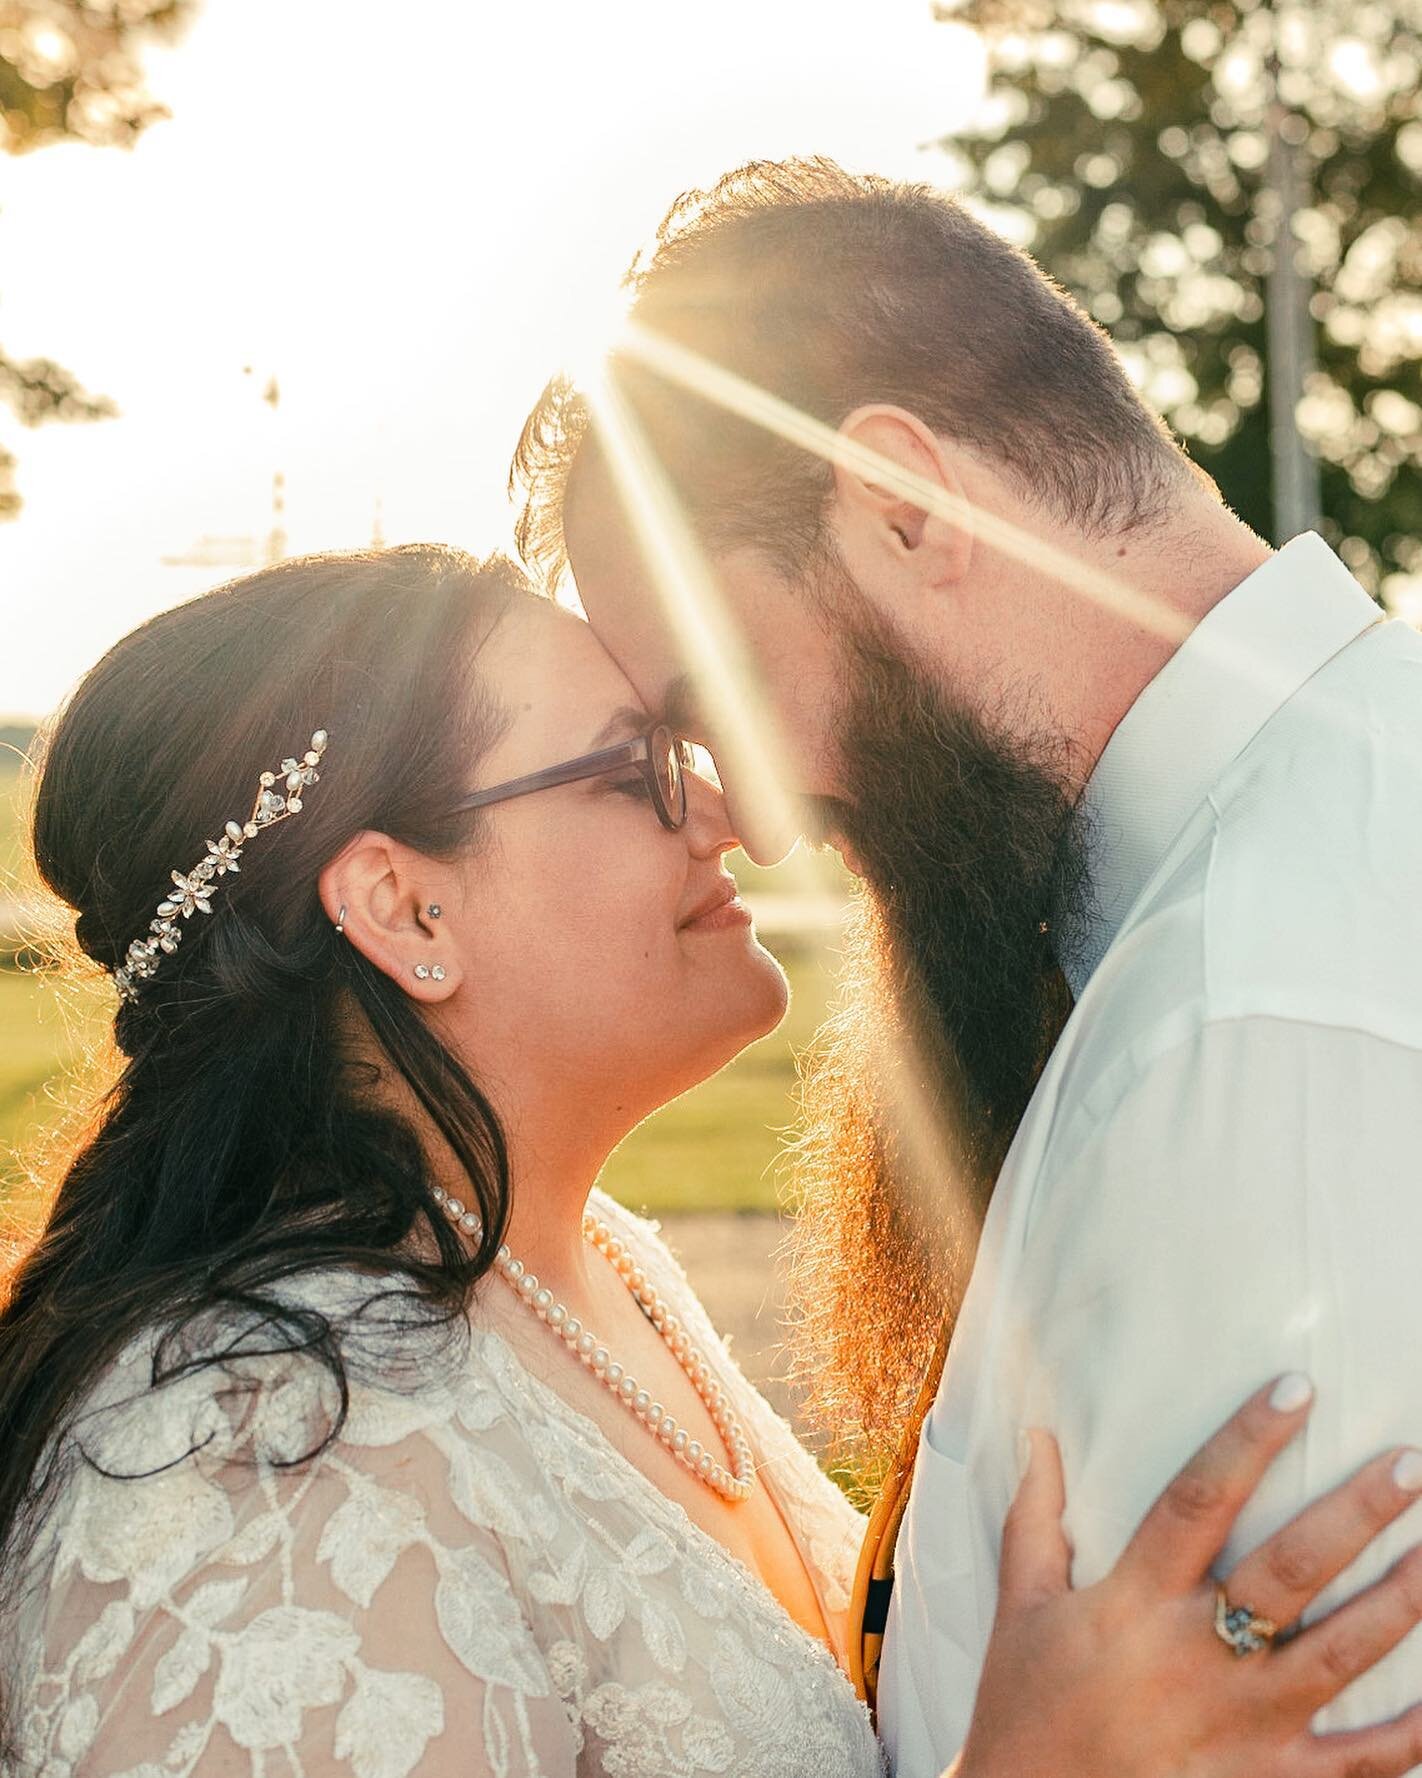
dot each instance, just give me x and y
(70, 70)
(1127, 143)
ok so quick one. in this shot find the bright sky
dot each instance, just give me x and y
(409, 213)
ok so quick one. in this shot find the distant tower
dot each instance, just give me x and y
(243, 552)
(377, 527)
(276, 537)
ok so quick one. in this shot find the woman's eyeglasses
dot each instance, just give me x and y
(660, 754)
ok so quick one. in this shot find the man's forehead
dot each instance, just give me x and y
(597, 534)
(615, 584)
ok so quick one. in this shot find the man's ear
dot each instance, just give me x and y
(900, 509)
(380, 893)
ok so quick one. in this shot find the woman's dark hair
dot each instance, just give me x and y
(240, 1145)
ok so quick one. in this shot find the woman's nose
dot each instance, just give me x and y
(709, 828)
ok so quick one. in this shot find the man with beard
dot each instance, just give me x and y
(1137, 809)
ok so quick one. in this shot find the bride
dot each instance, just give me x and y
(345, 1426)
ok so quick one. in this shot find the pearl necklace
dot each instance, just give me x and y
(734, 1484)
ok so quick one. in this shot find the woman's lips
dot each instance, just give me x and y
(719, 919)
(719, 912)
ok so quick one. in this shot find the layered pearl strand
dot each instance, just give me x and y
(733, 1484)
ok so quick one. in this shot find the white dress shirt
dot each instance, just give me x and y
(1219, 1177)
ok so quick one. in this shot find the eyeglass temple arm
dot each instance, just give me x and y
(627, 753)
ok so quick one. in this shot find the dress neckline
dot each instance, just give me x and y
(673, 1510)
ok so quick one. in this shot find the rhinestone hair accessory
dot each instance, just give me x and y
(192, 894)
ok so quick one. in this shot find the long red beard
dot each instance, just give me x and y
(889, 1186)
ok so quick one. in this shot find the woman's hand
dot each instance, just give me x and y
(1128, 1678)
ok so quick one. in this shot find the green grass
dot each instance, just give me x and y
(37, 1054)
(713, 1149)
(11, 843)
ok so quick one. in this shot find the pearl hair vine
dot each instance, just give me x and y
(192, 893)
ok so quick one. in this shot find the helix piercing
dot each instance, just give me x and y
(341, 919)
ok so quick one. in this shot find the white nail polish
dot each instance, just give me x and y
(1024, 1454)
(1291, 1393)
(1407, 1472)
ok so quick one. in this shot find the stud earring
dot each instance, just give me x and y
(341, 919)
(434, 910)
(438, 972)
(422, 972)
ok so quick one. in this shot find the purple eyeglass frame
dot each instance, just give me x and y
(661, 739)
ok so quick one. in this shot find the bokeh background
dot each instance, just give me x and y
(279, 275)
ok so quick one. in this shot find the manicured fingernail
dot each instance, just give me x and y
(1292, 1392)
(1024, 1454)
(1407, 1472)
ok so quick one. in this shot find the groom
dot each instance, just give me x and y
(1137, 804)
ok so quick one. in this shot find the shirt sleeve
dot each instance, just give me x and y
(1251, 1204)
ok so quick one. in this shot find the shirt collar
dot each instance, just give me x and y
(1240, 664)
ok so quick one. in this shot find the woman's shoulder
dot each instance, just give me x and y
(239, 1449)
(244, 1518)
(265, 1379)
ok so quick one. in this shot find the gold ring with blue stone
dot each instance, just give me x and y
(1240, 1628)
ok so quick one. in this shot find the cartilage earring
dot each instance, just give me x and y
(422, 972)
(434, 910)
(341, 919)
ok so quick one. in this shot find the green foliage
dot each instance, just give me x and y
(70, 70)
(1129, 142)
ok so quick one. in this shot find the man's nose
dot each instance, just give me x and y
(767, 824)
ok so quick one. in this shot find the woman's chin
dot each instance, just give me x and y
(764, 1000)
(749, 1004)
(777, 990)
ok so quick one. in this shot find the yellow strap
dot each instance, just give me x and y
(876, 1555)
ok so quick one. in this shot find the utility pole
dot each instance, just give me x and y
(1298, 500)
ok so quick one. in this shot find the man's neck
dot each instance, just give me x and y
(1107, 632)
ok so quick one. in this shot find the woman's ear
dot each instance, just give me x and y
(386, 899)
(900, 512)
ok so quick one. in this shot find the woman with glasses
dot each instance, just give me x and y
(345, 1426)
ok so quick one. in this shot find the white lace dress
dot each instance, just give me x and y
(469, 1581)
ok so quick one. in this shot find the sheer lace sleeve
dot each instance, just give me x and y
(351, 1617)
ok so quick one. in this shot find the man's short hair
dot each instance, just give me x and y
(832, 290)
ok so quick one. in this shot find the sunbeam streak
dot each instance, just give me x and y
(713, 382)
(929, 1129)
(928, 1136)
(751, 749)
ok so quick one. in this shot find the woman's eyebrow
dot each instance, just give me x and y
(680, 704)
(631, 719)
